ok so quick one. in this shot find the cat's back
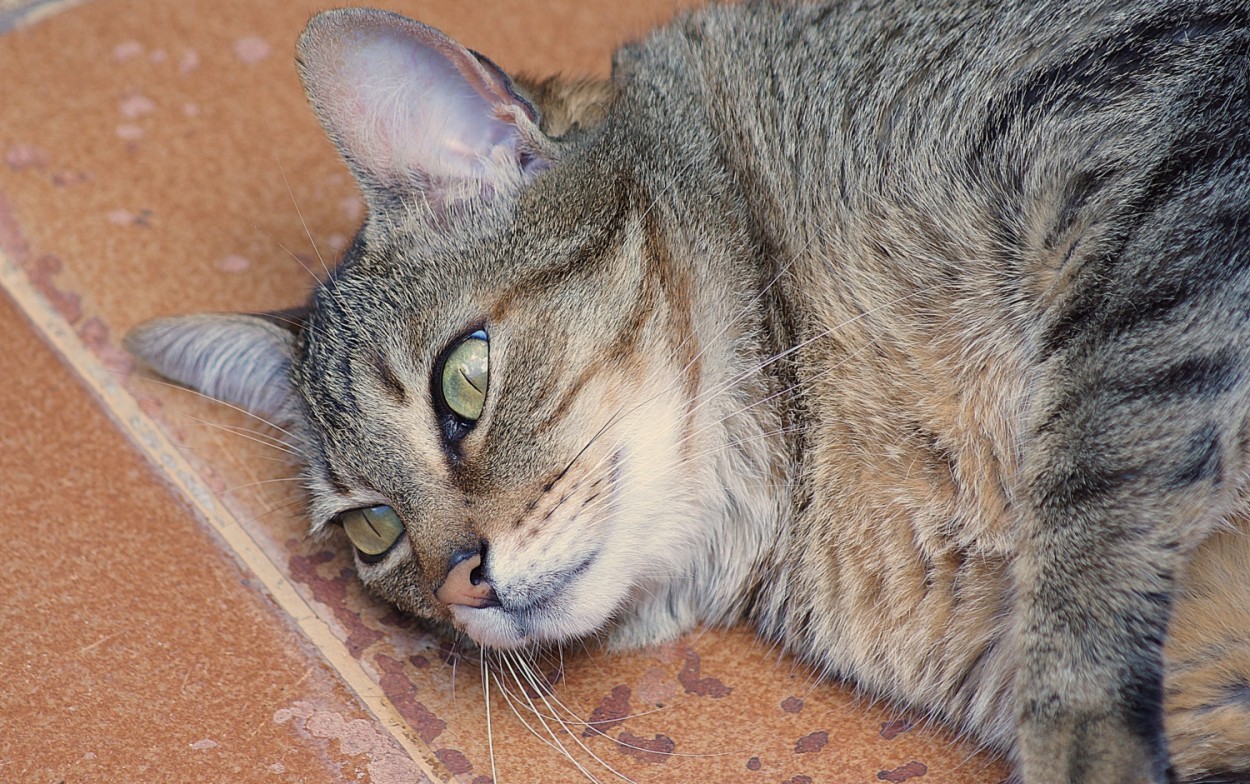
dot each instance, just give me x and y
(946, 188)
(930, 106)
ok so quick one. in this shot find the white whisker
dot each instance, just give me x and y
(262, 482)
(295, 438)
(490, 736)
(508, 662)
(251, 435)
(543, 695)
(300, 213)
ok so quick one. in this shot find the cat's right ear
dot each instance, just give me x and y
(238, 358)
(415, 114)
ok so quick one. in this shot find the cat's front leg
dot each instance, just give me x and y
(1090, 685)
(1120, 482)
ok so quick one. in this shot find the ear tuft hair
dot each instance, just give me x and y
(241, 359)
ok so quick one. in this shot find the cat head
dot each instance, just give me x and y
(495, 391)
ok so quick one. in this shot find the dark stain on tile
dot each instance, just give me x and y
(448, 652)
(812, 742)
(792, 705)
(691, 680)
(12, 241)
(42, 273)
(332, 592)
(393, 617)
(455, 761)
(399, 690)
(655, 751)
(541, 683)
(911, 770)
(753, 763)
(611, 712)
(892, 729)
(361, 636)
(96, 336)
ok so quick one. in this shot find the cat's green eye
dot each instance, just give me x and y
(465, 374)
(373, 530)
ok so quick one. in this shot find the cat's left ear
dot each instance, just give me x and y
(414, 113)
(240, 358)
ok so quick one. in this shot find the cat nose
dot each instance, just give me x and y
(466, 583)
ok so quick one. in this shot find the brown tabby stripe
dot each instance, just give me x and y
(676, 286)
(618, 353)
(335, 479)
(390, 382)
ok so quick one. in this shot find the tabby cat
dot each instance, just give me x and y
(915, 332)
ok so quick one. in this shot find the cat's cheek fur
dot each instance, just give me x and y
(623, 530)
(669, 491)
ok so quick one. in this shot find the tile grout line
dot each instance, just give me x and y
(164, 456)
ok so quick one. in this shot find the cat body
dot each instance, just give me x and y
(916, 333)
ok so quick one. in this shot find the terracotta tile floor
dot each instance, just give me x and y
(165, 618)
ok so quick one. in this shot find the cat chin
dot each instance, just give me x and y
(500, 629)
(490, 627)
(574, 613)
(648, 615)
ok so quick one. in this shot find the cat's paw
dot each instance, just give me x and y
(1086, 747)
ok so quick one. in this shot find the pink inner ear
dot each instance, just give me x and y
(407, 105)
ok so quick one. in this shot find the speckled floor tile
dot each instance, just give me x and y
(134, 648)
(156, 157)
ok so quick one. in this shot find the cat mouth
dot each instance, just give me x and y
(548, 589)
(545, 611)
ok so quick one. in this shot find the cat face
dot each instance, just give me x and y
(499, 389)
(521, 446)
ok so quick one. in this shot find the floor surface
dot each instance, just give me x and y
(165, 617)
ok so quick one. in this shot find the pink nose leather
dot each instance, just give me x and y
(459, 589)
